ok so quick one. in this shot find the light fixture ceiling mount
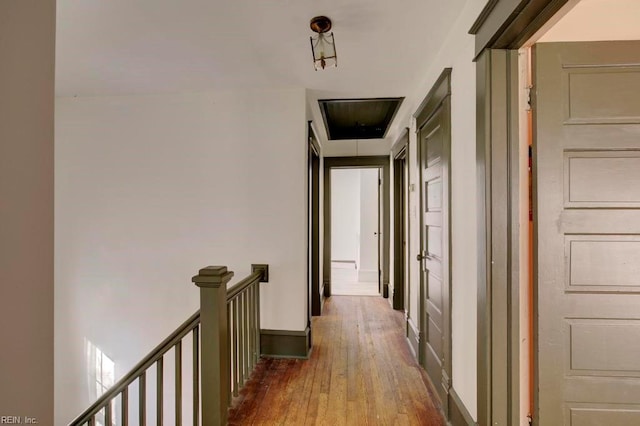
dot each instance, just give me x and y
(323, 47)
(320, 24)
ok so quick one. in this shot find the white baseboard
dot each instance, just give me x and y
(344, 264)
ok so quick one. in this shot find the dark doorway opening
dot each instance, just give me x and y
(400, 154)
(313, 157)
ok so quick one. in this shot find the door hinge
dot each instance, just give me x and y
(530, 418)
(529, 99)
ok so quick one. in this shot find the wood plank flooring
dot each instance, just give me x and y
(361, 372)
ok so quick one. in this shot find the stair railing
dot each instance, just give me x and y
(225, 349)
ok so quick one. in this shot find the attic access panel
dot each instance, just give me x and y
(358, 118)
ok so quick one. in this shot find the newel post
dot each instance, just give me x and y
(216, 365)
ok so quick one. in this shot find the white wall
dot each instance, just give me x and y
(595, 20)
(27, 53)
(457, 52)
(345, 214)
(368, 261)
(357, 148)
(151, 188)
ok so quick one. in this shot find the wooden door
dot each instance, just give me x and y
(587, 237)
(433, 138)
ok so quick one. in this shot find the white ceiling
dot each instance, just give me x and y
(117, 47)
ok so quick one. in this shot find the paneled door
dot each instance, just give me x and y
(433, 156)
(587, 238)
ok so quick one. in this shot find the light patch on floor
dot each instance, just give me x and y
(344, 282)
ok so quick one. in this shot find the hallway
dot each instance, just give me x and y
(360, 372)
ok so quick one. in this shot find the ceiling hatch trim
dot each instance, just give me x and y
(363, 118)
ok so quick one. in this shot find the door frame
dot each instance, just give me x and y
(438, 97)
(381, 289)
(313, 222)
(400, 155)
(382, 162)
(498, 238)
(503, 27)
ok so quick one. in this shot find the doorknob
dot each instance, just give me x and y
(423, 256)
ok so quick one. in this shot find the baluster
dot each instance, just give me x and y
(159, 391)
(196, 376)
(236, 354)
(256, 328)
(250, 328)
(253, 325)
(142, 403)
(178, 365)
(92, 421)
(125, 406)
(247, 335)
(107, 414)
(257, 337)
(241, 337)
(229, 348)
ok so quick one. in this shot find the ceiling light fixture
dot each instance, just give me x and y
(323, 47)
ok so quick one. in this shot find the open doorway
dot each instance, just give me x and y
(355, 232)
(586, 168)
(362, 254)
(313, 223)
(566, 279)
(400, 154)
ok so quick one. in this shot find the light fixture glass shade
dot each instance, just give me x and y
(324, 51)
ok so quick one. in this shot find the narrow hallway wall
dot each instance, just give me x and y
(27, 56)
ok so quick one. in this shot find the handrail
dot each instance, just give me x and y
(226, 346)
(242, 285)
(153, 356)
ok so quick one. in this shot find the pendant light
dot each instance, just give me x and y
(323, 46)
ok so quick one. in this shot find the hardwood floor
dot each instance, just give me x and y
(361, 372)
